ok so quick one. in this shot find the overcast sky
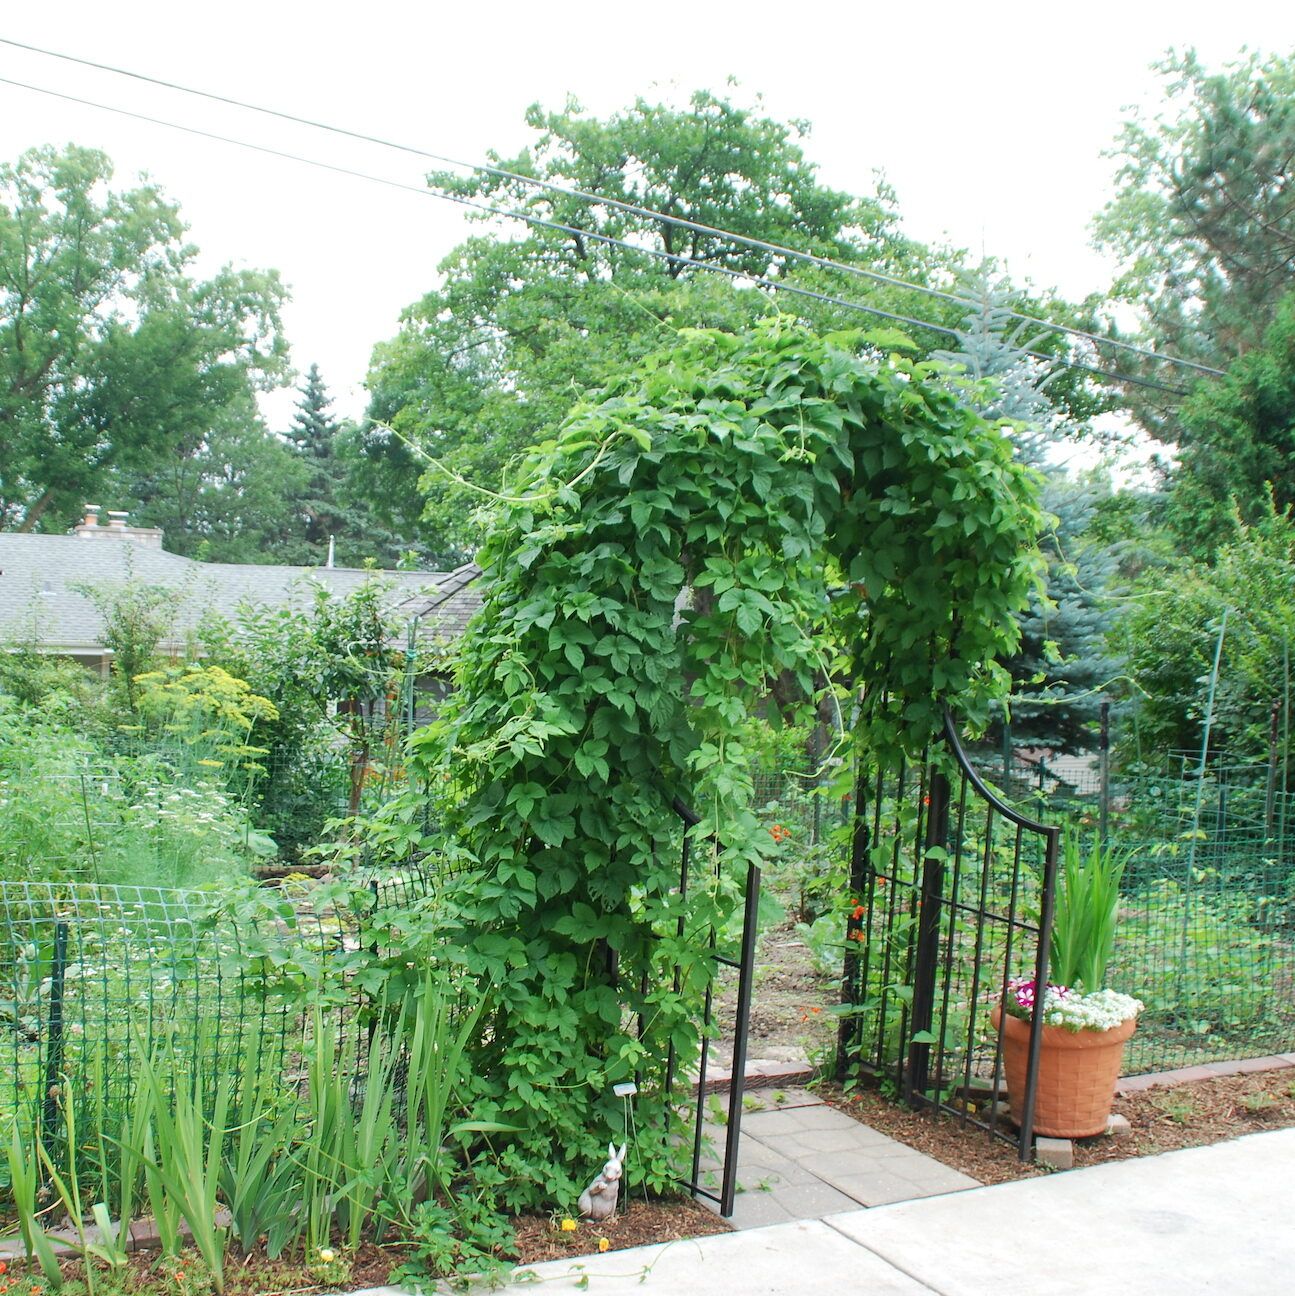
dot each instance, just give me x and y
(990, 120)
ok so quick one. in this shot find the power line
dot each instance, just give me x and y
(674, 258)
(634, 209)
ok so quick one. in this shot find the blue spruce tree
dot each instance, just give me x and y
(1063, 663)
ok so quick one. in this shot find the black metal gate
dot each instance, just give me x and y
(951, 897)
(744, 965)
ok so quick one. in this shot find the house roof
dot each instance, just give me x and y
(442, 614)
(39, 601)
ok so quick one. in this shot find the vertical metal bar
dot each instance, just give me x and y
(851, 989)
(54, 1039)
(982, 912)
(888, 958)
(1008, 948)
(644, 988)
(1046, 905)
(707, 1017)
(702, 1067)
(685, 858)
(737, 1072)
(911, 888)
(928, 936)
(950, 947)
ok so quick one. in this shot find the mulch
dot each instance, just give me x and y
(254, 1275)
(539, 1237)
(642, 1223)
(1160, 1120)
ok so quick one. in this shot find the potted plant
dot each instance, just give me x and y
(1086, 1024)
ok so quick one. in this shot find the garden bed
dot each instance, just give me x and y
(1160, 1120)
(641, 1224)
(538, 1238)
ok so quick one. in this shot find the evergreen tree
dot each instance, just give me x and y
(314, 434)
(1062, 663)
(330, 504)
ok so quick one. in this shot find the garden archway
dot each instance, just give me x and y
(760, 473)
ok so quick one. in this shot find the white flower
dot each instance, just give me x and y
(1102, 1010)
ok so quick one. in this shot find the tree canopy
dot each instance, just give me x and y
(1237, 444)
(111, 354)
(488, 363)
(1202, 220)
(1062, 663)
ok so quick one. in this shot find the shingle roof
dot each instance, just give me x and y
(443, 614)
(38, 601)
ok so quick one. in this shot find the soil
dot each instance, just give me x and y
(255, 1275)
(1160, 1120)
(538, 1238)
(789, 1020)
(541, 1238)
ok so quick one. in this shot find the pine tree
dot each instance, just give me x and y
(329, 506)
(1063, 662)
(314, 434)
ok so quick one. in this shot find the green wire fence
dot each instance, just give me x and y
(91, 974)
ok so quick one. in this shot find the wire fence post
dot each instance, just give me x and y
(1270, 789)
(53, 1069)
(1104, 770)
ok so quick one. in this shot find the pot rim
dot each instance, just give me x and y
(1061, 1038)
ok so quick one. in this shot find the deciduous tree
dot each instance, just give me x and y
(493, 359)
(110, 352)
(1204, 217)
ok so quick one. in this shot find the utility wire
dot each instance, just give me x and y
(674, 258)
(633, 209)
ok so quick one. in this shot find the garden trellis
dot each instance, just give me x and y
(654, 569)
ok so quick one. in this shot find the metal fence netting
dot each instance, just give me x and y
(91, 976)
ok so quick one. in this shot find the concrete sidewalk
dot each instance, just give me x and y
(1214, 1219)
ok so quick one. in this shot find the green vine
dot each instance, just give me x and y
(690, 535)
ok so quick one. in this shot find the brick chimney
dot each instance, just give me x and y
(118, 528)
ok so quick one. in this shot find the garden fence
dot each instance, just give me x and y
(1207, 931)
(90, 975)
(1207, 927)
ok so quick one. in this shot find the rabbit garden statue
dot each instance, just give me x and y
(598, 1201)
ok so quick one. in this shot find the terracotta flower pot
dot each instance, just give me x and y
(1078, 1071)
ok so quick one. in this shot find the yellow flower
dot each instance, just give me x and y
(603, 1244)
(568, 1226)
(326, 1255)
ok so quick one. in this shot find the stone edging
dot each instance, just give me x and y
(1205, 1071)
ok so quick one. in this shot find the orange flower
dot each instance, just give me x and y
(859, 911)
